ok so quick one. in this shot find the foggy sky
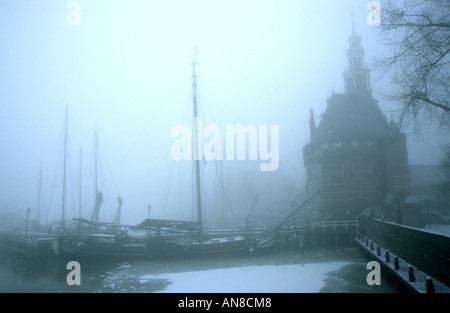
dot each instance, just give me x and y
(125, 71)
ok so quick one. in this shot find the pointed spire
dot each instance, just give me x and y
(357, 76)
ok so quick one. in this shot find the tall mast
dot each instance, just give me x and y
(221, 190)
(97, 194)
(39, 192)
(197, 133)
(64, 174)
(79, 186)
(96, 145)
(221, 183)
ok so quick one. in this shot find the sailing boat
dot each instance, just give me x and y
(180, 239)
(99, 239)
(190, 238)
(157, 238)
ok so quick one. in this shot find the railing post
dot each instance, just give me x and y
(411, 276)
(430, 285)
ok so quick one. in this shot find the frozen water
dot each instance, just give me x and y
(293, 278)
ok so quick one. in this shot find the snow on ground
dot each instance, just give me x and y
(295, 278)
(442, 229)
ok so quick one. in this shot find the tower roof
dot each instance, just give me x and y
(351, 117)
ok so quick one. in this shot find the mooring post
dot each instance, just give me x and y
(387, 256)
(411, 276)
(396, 264)
(366, 241)
(378, 250)
(430, 285)
(371, 246)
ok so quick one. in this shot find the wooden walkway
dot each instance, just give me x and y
(412, 279)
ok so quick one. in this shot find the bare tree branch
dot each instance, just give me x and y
(417, 32)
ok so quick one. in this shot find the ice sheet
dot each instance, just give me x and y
(295, 278)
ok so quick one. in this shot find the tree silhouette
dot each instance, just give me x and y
(417, 33)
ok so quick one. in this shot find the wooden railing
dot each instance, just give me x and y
(351, 224)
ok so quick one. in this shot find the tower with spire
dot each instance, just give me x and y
(355, 156)
(357, 76)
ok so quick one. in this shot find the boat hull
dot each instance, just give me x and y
(97, 246)
(163, 248)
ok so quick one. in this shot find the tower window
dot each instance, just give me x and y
(349, 170)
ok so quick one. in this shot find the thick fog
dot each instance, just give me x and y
(123, 69)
